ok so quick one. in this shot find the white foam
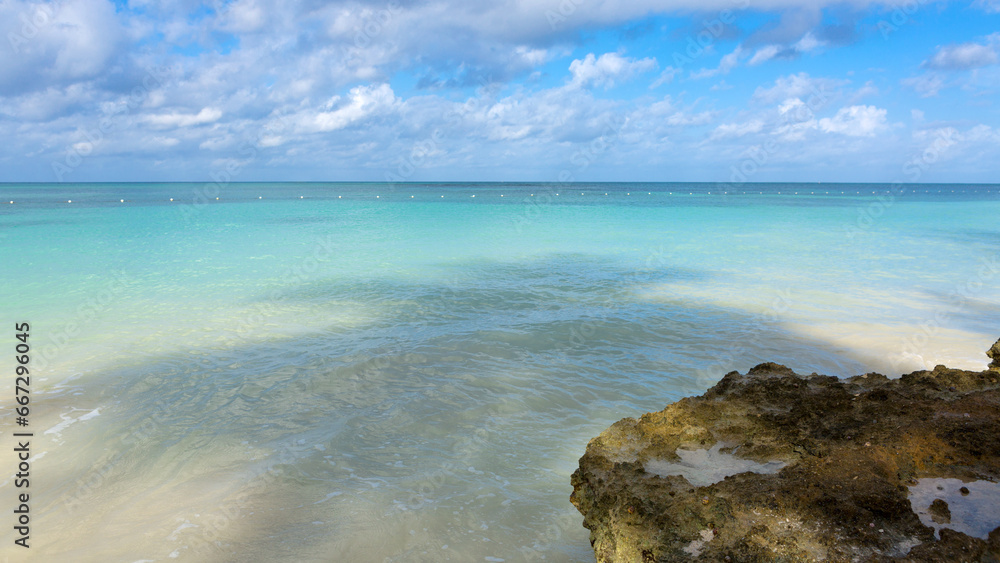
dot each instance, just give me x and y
(68, 420)
(705, 467)
(186, 524)
(328, 497)
(975, 514)
(58, 428)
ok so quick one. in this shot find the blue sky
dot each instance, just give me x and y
(543, 90)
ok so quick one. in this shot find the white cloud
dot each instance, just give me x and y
(164, 120)
(869, 89)
(927, 85)
(799, 85)
(726, 64)
(966, 55)
(50, 103)
(291, 58)
(931, 133)
(855, 121)
(243, 16)
(666, 77)
(606, 69)
(90, 32)
(731, 130)
(364, 102)
(805, 44)
(796, 120)
(808, 43)
(764, 54)
(531, 57)
(217, 142)
(61, 43)
(670, 113)
(792, 104)
(982, 134)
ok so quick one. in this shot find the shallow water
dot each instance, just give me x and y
(975, 512)
(702, 467)
(310, 372)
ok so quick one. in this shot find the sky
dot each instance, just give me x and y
(508, 90)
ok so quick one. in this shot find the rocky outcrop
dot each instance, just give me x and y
(994, 354)
(775, 466)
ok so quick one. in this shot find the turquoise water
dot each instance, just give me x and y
(368, 372)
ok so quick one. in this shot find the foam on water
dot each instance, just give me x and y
(410, 379)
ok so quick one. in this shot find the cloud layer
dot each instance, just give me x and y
(516, 89)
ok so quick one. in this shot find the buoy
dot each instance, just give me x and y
(301, 197)
(260, 197)
(69, 201)
(123, 201)
(171, 199)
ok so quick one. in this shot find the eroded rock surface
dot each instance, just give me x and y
(775, 466)
(994, 354)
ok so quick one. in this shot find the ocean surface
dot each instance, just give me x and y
(410, 372)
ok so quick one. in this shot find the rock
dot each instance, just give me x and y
(774, 466)
(994, 354)
(940, 512)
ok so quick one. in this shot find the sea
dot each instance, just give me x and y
(410, 372)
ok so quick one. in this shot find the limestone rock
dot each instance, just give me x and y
(774, 466)
(940, 512)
